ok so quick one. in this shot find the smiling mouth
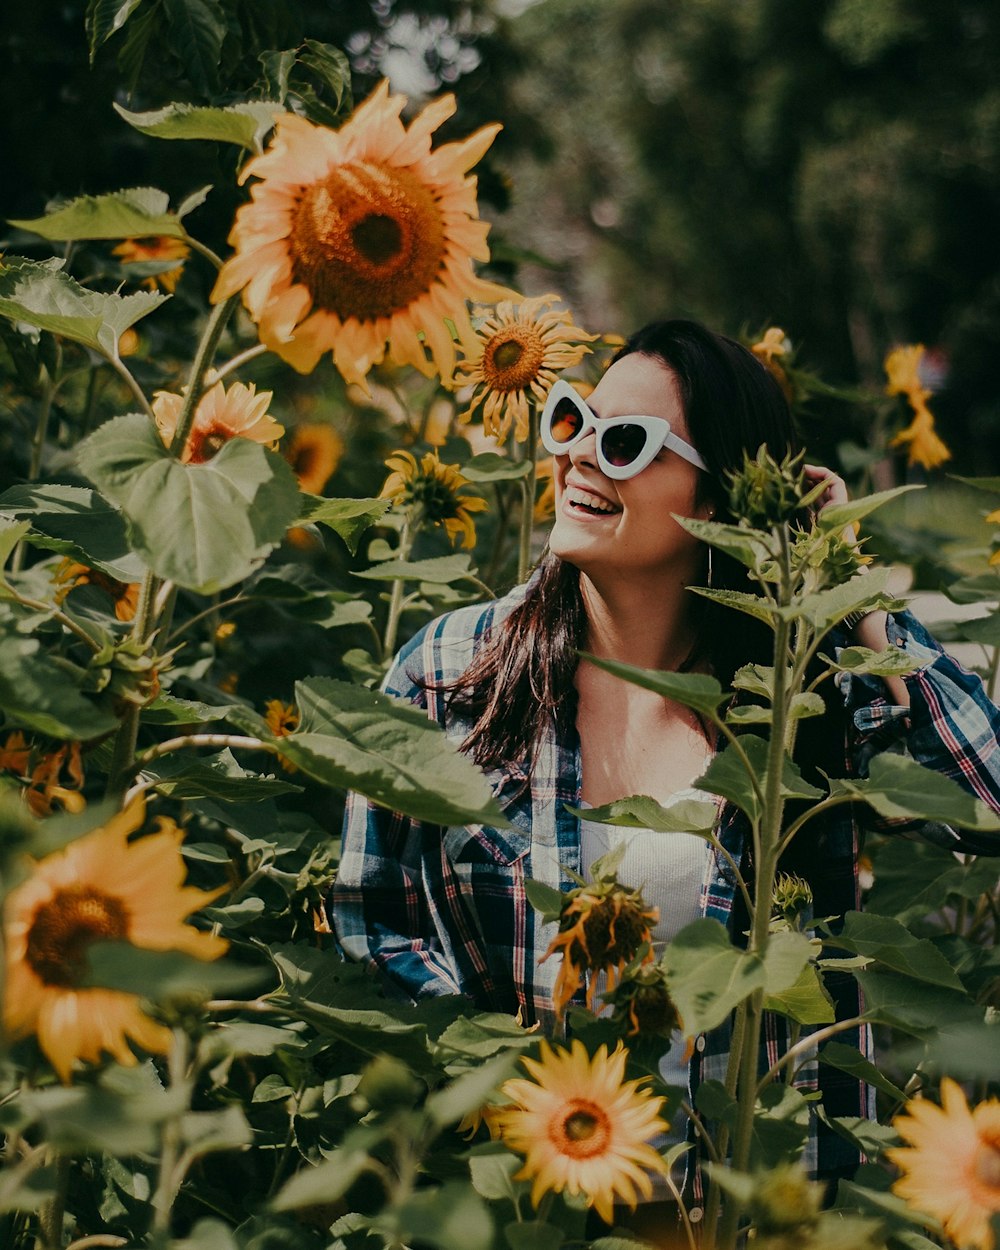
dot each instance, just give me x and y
(591, 505)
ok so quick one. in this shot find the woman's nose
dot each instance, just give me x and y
(585, 451)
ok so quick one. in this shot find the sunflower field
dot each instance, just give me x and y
(240, 468)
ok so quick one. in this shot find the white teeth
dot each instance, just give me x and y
(587, 500)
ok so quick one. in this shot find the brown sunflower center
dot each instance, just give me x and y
(367, 241)
(582, 1131)
(512, 358)
(64, 928)
(987, 1166)
(614, 928)
(438, 500)
(203, 444)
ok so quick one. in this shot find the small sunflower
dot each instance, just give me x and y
(314, 453)
(156, 249)
(282, 720)
(125, 595)
(48, 777)
(993, 518)
(581, 1127)
(951, 1167)
(221, 415)
(902, 367)
(361, 238)
(100, 887)
(519, 352)
(769, 350)
(435, 490)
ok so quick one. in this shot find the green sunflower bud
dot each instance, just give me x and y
(765, 493)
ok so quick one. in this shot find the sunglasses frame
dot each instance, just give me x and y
(657, 430)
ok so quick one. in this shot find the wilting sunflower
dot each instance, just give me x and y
(519, 352)
(902, 367)
(951, 1168)
(581, 1127)
(100, 887)
(435, 491)
(769, 350)
(220, 415)
(314, 453)
(125, 595)
(361, 238)
(156, 249)
(282, 720)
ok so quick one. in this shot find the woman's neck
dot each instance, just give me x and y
(638, 623)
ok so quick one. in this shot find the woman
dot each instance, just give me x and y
(444, 911)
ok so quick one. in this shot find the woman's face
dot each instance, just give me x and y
(606, 526)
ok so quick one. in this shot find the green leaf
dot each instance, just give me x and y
(207, 1132)
(965, 1051)
(41, 295)
(545, 899)
(742, 544)
(361, 740)
(839, 515)
(780, 1125)
(37, 693)
(913, 878)
(850, 1060)
(11, 533)
(347, 517)
(245, 124)
(168, 709)
(24, 1186)
(212, 776)
(892, 662)
(913, 1006)
(985, 630)
(740, 601)
(331, 67)
(482, 1035)
(160, 975)
(707, 975)
(104, 18)
(324, 1183)
(886, 940)
(132, 213)
(866, 591)
(492, 1171)
(639, 811)
(120, 1116)
(868, 1136)
(208, 1235)
(803, 704)
(982, 588)
(695, 690)
(898, 786)
(533, 1235)
(805, 1001)
(756, 679)
(469, 1091)
(453, 1217)
(225, 515)
(728, 776)
(77, 522)
(438, 571)
(989, 484)
(488, 466)
(785, 957)
(197, 30)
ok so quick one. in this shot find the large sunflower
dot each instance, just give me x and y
(519, 351)
(582, 1127)
(435, 491)
(220, 415)
(100, 887)
(951, 1168)
(360, 238)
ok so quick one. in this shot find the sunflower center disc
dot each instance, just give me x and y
(64, 928)
(512, 359)
(988, 1166)
(203, 444)
(367, 241)
(584, 1130)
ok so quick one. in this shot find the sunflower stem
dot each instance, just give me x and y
(126, 375)
(237, 362)
(406, 537)
(50, 1217)
(38, 443)
(528, 495)
(216, 323)
(170, 1140)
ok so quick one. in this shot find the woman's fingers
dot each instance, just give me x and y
(836, 491)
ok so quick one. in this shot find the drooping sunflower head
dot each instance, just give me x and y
(581, 1127)
(314, 452)
(362, 238)
(924, 445)
(519, 351)
(434, 493)
(156, 250)
(951, 1165)
(101, 887)
(902, 370)
(642, 1005)
(221, 414)
(771, 350)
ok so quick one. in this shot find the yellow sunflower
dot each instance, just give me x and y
(100, 887)
(769, 351)
(581, 1127)
(282, 720)
(436, 491)
(993, 518)
(902, 367)
(156, 248)
(951, 1168)
(314, 453)
(519, 352)
(69, 574)
(221, 415)
(362, 238)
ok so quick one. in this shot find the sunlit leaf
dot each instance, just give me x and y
(347, 517)
(699, 691)
(488, 466)
(865, 592)
(37, 693)
(892, 662)
(134, 212)
(742, 544)
(245, 123)
(898, 786)
(838, 516)
(707, 975)
(437, 571)
(639, 811)
(739, 600)
(805, 1001)
(886, 940)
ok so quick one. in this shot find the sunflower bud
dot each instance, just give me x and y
(764, 493)
(785, 1200)
(792, 899)
(642, 1005)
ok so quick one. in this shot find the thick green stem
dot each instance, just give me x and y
(38, 444)
(193, 391)
(406, 537)
(50, 1217)
(528, 496)
(125, 374)
(170, 1140)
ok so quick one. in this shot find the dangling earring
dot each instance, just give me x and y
(710, 568)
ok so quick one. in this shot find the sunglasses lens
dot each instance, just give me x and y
(567, 422)
(623, 444)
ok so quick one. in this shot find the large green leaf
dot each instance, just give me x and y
(323, 1183)
(134, 212)
(161, 975)
(37, 693)
(452, 1217)
(915, 878)
(695, 690)
(104, 18)
(898, 786)
(77, 522)
(742, 544)
(728, 776)
(215, 776)
(740, 601)
(913, 1006)
(850, 1060)
(244, 124)
(439, 570)
(839, 515)
(865, 592)
(982, 588)
(224, 516)
(41, 295)
(891, 944)
(468, 1091)
(639, 811)
(347, 517)
(805, 1001)
(707, 975)
(361, 740)
(120, 1115)
(892, 662)
(197, 31)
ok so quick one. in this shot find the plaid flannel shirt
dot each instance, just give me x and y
(443, 910)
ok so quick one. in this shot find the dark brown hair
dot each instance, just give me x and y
(523, 678)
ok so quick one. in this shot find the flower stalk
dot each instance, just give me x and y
(528, 494)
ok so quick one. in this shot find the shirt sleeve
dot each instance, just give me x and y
(951, 726)
(379, 903)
